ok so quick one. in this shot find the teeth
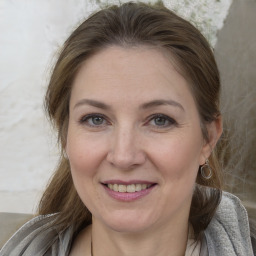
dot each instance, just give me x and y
(128, 188)
(143, 186)
(138, 187)
(115, 187)
(122, 188)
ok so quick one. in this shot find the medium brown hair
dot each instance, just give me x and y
(129, 25)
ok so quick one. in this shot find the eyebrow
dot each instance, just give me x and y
(156, 103)
(151, 104)
(93, 103)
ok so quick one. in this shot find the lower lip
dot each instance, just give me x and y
(128, 197)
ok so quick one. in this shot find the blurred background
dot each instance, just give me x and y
(32, 33)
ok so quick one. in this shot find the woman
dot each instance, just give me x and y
(134, 96)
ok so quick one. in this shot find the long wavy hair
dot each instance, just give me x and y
(128, 25)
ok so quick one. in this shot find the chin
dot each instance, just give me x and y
(127, 223)
(127, 227)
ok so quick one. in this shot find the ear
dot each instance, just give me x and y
(214, 130)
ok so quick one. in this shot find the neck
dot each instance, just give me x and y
(164, 240)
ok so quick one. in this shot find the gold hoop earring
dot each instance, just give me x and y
(206, 170)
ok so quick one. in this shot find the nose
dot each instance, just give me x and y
(126, 151)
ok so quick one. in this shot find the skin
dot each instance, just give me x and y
(128, 142)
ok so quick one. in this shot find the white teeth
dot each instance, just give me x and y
(138, 187)
(128, 188)
(122, 188)
(115, 187)
(143, 186)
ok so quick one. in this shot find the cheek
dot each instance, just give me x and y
(178, 163)
(179, 151)
(85, 156)
(178, 158)
(85, 153)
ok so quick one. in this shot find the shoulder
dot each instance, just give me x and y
(228, 232)
(38, 237)
(253, 234)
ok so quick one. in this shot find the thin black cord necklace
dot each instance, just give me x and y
(91, 247)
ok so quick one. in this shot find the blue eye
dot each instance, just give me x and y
(161, 121)
(96, 120)
(93, 120)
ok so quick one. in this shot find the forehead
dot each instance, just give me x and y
(141, 72)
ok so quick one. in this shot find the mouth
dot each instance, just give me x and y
(130, 188)
(128, 191)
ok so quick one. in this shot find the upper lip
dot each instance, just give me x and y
(121, 182)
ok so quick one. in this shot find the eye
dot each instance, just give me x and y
(161, 121)
(93, 120)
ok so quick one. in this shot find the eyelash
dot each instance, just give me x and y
(168, 119)
(85, 120)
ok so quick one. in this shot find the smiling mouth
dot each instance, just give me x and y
(131, 188)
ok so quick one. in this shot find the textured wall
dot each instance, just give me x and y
(31, 34)
(235, 52)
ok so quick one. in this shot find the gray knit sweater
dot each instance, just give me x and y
(228, 234)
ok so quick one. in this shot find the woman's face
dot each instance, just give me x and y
(134, 139)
